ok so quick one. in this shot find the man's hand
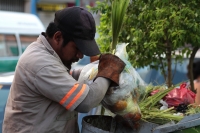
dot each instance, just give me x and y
(94, 58)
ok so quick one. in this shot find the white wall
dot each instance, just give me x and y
(27, 6)
(46, 17)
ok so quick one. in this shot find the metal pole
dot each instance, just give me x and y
(33, 7)
(77, 2)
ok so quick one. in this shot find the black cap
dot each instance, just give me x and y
(79, 24)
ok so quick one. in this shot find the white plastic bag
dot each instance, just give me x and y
(122, 99)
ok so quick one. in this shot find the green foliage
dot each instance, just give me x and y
(104, 29)
(155, 30)
(119, 8)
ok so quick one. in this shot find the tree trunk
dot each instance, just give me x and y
(163, 69)
(190, 66)
(169, 62)
(169, 75)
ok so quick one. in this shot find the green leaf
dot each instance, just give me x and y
(119, 8)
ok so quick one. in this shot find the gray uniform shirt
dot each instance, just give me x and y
(43, 95)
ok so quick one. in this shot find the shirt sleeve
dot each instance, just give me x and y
(55, 83)
(95, 95)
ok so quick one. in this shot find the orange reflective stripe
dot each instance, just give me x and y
(76, 97)
(69, 94)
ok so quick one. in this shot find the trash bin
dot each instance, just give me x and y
(97, 124)
(107, 124)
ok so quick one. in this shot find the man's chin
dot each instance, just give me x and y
(69, 66)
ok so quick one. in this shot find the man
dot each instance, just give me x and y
(44, 97)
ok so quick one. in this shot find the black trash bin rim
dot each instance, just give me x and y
(91, 128)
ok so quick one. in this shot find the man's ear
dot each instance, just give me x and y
(57, 37)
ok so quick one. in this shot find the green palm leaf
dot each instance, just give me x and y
(119, 8)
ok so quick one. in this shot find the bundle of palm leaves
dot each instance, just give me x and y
(150, 108)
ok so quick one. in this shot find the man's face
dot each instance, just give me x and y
(69, 54)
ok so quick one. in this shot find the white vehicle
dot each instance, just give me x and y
(17, 31)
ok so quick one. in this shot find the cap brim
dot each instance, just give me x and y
(87, 47)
